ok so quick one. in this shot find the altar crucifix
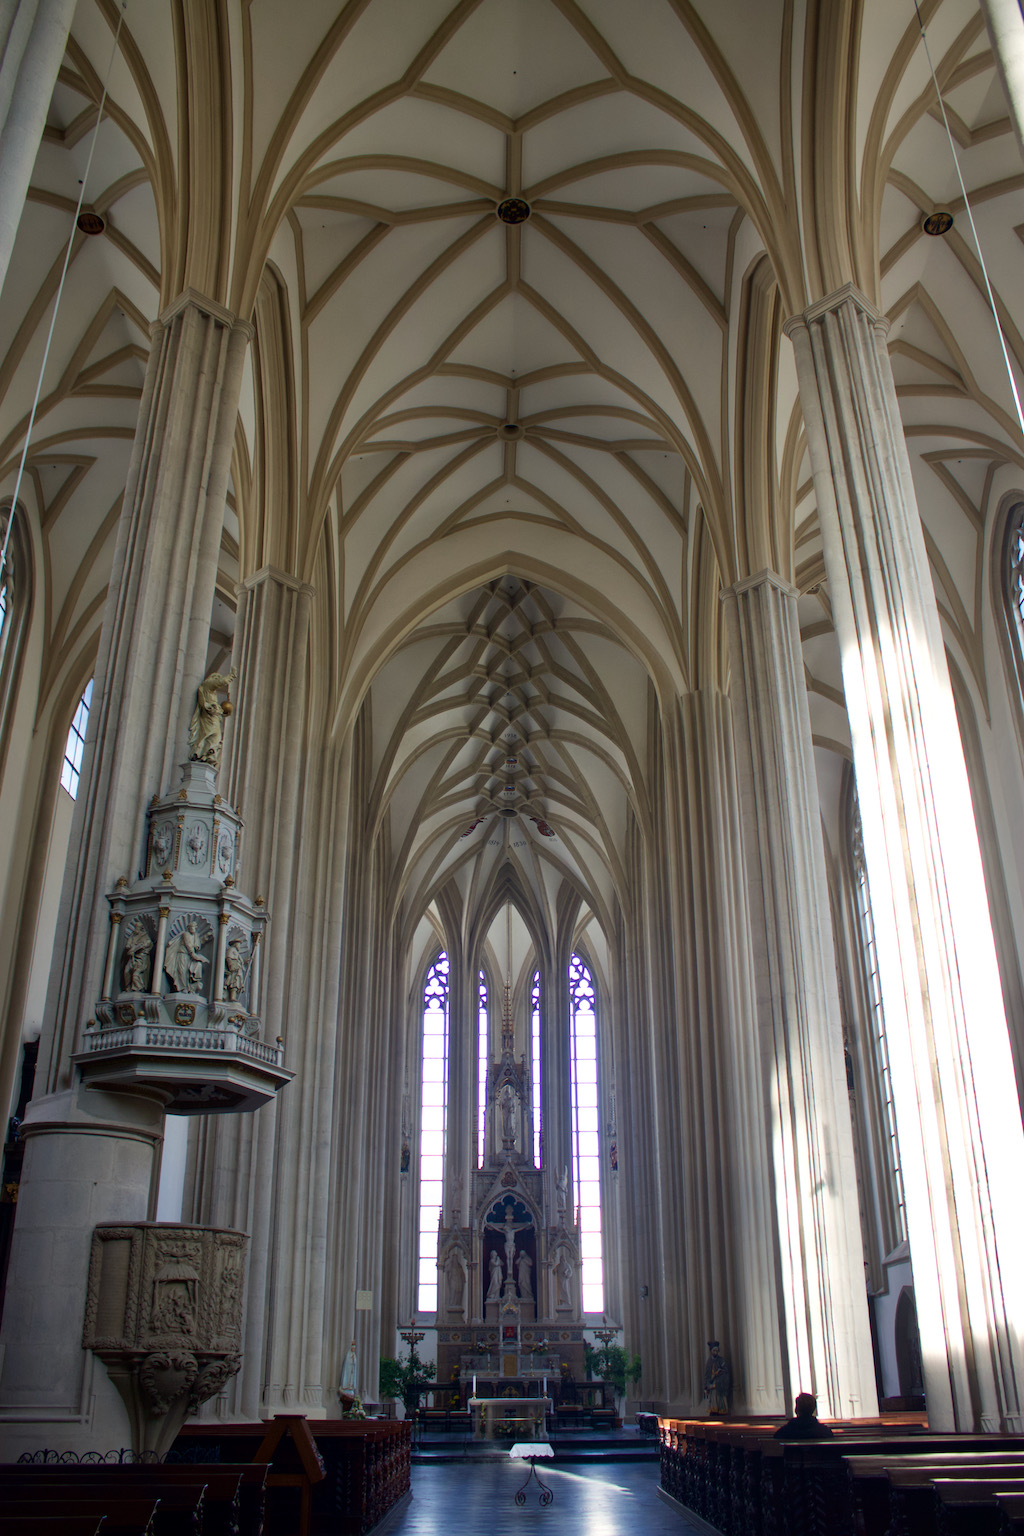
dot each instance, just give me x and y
(508, 1229)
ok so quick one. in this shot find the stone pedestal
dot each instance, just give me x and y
(958, 1117)
(90, 1157)
(810, 1138)
(163, 1312)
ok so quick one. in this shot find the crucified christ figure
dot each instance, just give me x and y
(508, 1228)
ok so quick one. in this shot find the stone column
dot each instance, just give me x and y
(958, 1119)
(152, 655)
(730, 1239)
(1006, 32)
(810, 1139)
(33, 36)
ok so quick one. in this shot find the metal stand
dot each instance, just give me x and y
(546, 1495)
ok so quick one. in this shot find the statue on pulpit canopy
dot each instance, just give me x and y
(206, 728)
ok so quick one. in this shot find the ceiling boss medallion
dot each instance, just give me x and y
(513, 210)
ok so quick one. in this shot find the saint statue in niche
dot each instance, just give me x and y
(497, 1275)
(563, 1281)
(234, 971)
(184, 961)
(455, 1276)
(138, 946)
(507, 1104)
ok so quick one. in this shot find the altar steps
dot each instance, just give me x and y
(607, 1446)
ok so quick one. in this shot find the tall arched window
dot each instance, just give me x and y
(1013, 573)
(433, 1125)
(585, 1127)
(538, 1142)
(483, 1063)
(1008, 597)
(874, 1024)
(15, 605)
(71, 768)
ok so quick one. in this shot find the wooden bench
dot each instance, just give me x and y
(871, 1479)
(53, 1525)
(962, 1507)
(234, 1502)
(131, 1516)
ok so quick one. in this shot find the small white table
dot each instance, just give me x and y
(530, 1450)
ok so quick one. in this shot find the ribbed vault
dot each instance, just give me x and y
(509, 730)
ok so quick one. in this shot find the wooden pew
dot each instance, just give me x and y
(970, 1507)
(53, 1525)
(1011, 1513)
(123, 1516)
(870, 1483)
(234, 1494)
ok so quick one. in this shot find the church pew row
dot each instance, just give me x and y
(54, 1525)
(366, 1468)
(886, 1488)
(204, 1500)
(741, 1480)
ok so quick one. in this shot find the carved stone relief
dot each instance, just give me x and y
(163, 1312)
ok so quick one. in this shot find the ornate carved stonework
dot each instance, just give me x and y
(180, 1004)
(163, 1312)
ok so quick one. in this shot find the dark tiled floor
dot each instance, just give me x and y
(478, 1500)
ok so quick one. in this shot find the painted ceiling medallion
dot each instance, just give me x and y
(91, 223)
(513, 210)
(938, 223)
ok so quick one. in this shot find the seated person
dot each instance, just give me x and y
(806, 1425)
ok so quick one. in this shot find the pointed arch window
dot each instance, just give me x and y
(483, 1062)
(1014, 571)
(875, 1023)
(538, 1141)
(71, 769)
(433, 1127)
(15, 609)
(585, 1130)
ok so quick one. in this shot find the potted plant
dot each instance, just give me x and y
(615, 1364)
(399, 1378)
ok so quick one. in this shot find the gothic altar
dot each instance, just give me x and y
(509, 1302)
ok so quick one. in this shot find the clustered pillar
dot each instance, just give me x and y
(810, 1140)
(93, 1155)
(958, 1118)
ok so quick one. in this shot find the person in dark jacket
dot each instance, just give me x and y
(806, 1425)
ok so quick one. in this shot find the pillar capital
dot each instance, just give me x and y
(759, 579)
(268, 573)
(848, 294)
(191, 298)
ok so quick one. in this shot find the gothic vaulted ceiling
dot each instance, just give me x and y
(518, 402)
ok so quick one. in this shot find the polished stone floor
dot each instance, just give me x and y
(616, 1499)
